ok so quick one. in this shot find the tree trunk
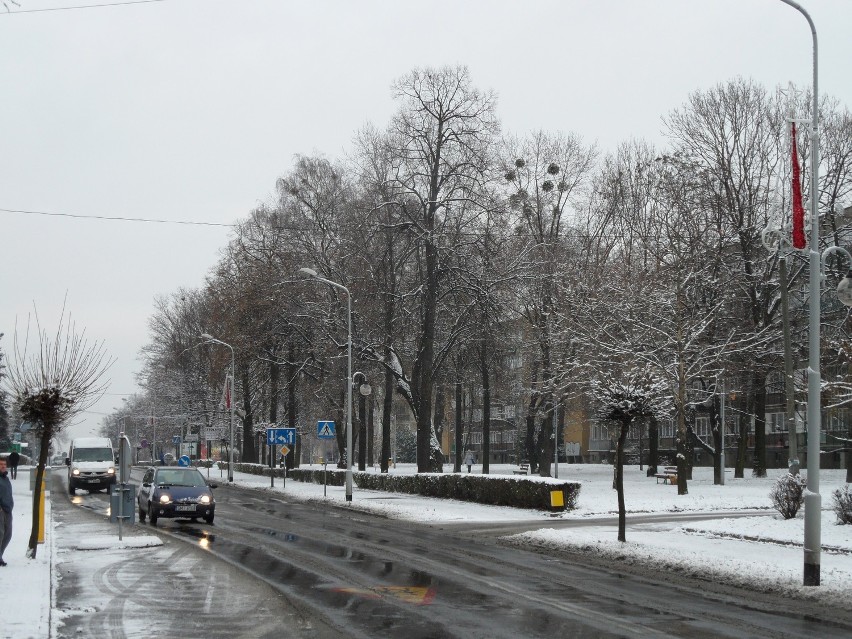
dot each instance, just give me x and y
(718, 431)
(619, 480)
(340, 432)
(371, 432)
(248, 453)
(457, 463)
(653, 445)
(440, 410)
(742, 445)
(486, 407)
(293, 459)
(848, 454)
(546, 440)
(46, 436)
(387, 409)
(362, 432)
(759, 394)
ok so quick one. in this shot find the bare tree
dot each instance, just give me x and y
(53, 382)
(441, 136)
(545, 175)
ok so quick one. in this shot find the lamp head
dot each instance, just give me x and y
(308, 271)
(844, 290)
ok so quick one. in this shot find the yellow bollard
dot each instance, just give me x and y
(557, 500)
(41, 513)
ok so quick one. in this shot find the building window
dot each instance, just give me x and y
(509, 437)
(494, 437)
(702, 428)
(476, 438)
(776, 423)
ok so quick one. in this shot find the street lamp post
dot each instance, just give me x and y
(349, 381)
(813, 499)
(210, 338)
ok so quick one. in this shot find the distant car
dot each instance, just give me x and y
(173, 492)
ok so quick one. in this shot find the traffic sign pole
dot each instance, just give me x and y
(272, 466)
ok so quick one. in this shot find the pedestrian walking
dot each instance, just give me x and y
(469, 459)
(6, 504)
(14, 458)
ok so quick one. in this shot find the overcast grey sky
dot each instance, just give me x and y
(190, 109)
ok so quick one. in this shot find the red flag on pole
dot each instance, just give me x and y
(798, 209)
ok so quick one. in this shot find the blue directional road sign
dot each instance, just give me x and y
(184, 460)
(325, 430)
(278, 436)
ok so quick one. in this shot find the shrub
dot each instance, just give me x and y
(843, 504)
(787, 495)
(483, 489)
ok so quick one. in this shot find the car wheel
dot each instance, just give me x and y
(71, 488)
(152, 515)
(142, 514)
(208, 518)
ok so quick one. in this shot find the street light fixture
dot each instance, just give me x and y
(210, 339)
(349, 381)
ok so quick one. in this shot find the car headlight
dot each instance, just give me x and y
(165, 499)
(75, 471)
(205, 499)
(111, 471)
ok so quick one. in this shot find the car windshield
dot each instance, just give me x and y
(180, 478)
(93, 454)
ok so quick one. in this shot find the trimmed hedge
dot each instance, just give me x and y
(497, 490)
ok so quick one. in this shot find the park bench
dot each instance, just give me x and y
(669, 475)
(522, 469)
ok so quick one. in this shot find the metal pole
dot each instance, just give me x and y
(813, 500)
(233, 407)
(349, 381)
(722, 439)
(789, 387)
(349, 398)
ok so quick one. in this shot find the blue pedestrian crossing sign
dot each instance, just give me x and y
(278, 436)
(325, 430)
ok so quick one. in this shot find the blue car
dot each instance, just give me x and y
(172, 492)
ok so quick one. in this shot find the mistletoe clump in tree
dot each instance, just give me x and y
(50, 384)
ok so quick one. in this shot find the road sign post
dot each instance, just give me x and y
(278, 437)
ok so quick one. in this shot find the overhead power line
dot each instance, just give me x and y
(82, 6)
(114, 218)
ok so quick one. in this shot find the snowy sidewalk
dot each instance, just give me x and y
(25, 584)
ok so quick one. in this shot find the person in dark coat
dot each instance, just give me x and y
(6, 505)
(14, 458)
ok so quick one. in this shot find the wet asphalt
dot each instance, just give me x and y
(269, 567)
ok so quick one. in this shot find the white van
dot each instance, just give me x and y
(91, 464)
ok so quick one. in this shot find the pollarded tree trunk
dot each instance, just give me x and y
(46, 435)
